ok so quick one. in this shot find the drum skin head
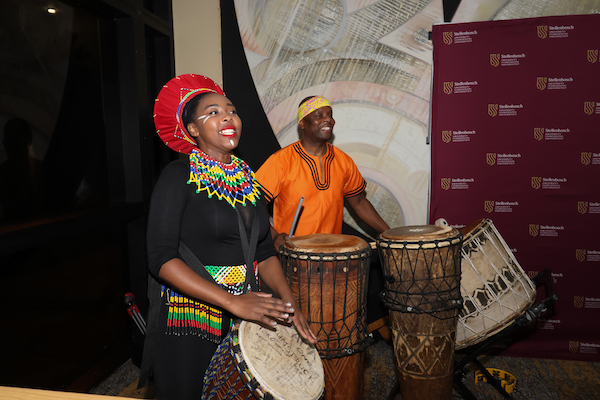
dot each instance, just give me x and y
(282, 362)
(419, 232)
(326, 243)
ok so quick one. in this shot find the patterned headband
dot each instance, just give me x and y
(310, 105)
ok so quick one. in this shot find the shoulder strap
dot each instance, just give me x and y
(192, 261)
(249, 248)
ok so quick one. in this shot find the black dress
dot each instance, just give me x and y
(181, 212)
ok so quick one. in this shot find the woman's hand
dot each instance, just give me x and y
(260, 307)
(303, 326)
(271, 274)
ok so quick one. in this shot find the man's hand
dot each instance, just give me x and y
(280, 239)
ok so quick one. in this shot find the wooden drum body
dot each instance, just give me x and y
(328, 275)
(494, 287)
(421, 267)
(254, 362)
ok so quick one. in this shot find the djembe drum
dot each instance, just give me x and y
(328, 275)
(421, 267)
(494, 287)
(254, 362)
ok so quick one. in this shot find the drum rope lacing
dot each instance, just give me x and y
(335, 338)
(421, 276)
(491, 300)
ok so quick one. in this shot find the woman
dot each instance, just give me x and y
(207, 222)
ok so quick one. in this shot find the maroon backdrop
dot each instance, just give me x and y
(516, 138)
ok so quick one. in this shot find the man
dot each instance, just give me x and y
(318, 171)
(324, 175)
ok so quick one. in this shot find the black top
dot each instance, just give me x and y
(208, 226)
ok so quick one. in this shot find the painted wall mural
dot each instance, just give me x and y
(373, 60)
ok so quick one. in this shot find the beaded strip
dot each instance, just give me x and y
(188, 316)
(191, 317)
(234, 182)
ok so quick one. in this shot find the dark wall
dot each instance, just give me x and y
(78, 159)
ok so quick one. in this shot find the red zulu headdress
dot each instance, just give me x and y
(169, 105)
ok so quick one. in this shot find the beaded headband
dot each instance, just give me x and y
(169, 105)
(310, 105)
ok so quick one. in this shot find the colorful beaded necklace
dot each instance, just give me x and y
(234, 182)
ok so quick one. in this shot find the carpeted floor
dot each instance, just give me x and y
(537, 379)
(541, 379)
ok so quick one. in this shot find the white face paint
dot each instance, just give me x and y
(231, 141)
(204, 117)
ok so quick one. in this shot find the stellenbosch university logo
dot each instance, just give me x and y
(463, 37)
(506, 60)
(583, 207)
(495, 60)
(554, 31)
(502, 158)
(582, 255)
(586, 302)
(586, 157)
(550, 133)
(573, 347)
(448, 87)
(553, 83)
(588, 107)
(534, 230)
(545, 230)
(541, 83)
(592, 56)
(463, 135)
(459, 87)
(538, 182)
(447, 37)
(499, 206)
(446, 136)
(504, 110)
(456, 183)
(445, 182)
(542, 31)
(584, 348)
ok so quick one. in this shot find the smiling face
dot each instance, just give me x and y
(318, 125)
(216, 127)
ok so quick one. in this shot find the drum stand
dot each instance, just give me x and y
(545, 278)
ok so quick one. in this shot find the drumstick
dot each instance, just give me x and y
(293, 227)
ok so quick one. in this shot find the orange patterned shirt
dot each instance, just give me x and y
(291, 173)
